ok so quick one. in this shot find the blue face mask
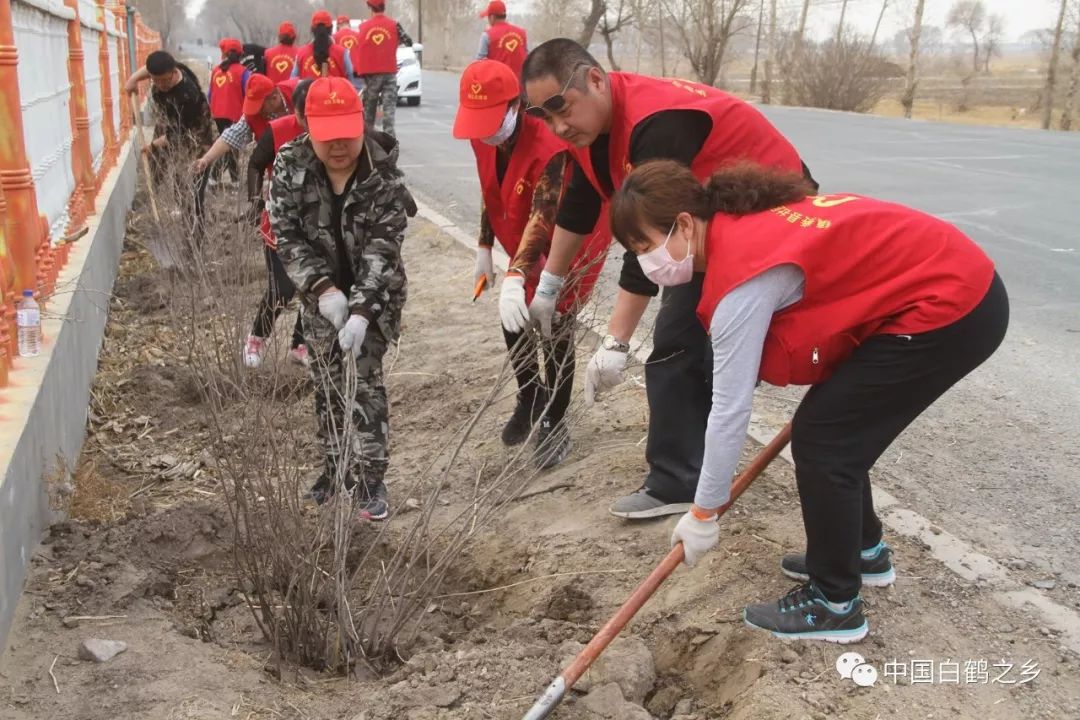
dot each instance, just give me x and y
(664, 270)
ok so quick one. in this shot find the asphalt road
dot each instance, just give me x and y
(1011, 483)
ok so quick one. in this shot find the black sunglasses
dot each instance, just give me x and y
(556, 102)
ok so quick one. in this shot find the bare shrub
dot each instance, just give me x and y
(840, 75)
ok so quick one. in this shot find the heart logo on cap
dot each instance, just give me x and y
(281, 65)
(476, 88)
(221, 80)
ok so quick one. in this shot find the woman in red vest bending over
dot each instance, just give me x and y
(878, 307)
(279, 289)
(322, 51)
(523, 169)
(228, 83)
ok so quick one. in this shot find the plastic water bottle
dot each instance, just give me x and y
(28, 319)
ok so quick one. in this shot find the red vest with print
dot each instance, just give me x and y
(284, 129)
(870, 267)
(258, 123)
(508, 206)
(280, 60)
(350, 40)
(378, 46)
(739, 131)
(305, 58)
(227, 92)
(507, 43)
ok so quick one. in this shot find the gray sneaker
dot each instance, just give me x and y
(640, 505)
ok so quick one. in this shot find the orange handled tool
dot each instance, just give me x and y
(556, 691)
(480, 285)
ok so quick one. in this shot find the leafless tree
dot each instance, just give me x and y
(597, 9)
(877, 25)
(908, 99)
(617, 16)
(165, 16)
(995, 30)
(770, 56)
(969, 16)
(838, 75)
(1051, 70)
(1074, 81)
(705, 29)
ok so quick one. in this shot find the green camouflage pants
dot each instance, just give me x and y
(354, 430)
(380, 87)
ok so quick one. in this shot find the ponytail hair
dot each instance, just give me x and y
(320, 44)
(231, 58)
(656, 192)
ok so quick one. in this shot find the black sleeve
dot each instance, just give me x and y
(579, 208)
(262, 157)
(403, 37)
(670, 135)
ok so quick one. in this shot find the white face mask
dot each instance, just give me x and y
(503, 134)
(664, 270)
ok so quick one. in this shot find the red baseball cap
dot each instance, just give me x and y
(286, 28)
(230, 44)
(495, 7)
(259, 87)
(486, 87)
(322, 17)
(287, 87)
(342, 21)
(333, 110)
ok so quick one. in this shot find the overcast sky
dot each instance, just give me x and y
(1020, 15)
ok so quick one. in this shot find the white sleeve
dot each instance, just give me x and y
(738, 329)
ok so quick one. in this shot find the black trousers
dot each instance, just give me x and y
(678, 384)
(559, 365)
(844, 424)
(279, 292)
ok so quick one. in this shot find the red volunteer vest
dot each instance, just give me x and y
(349, 39)
(739, 131)
(378, 46)
(305, 58)
(509, 205)
(258, 123)
(508, 44)
(871, 267)
(280, 60)
(284, 129)
(227, 92)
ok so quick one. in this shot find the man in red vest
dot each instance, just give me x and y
(281, 58)
(522, 168)
(502, 41)
(377, 64)
(613, 121)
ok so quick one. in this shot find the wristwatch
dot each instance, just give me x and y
(610, 342)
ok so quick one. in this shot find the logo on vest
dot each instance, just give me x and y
(520, 188)
(511, 42)
(475, 91)
(348, 42)
(282, 65)
(221, 79)
(690, 87)
(377, 36)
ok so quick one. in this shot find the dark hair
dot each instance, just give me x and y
(657, 191)
(255, 58)
(558, 58)
(160, 62)
(377, 7)
(286, 39)
(231, 58)
(321, 43)
(299, 95)
(498, 17)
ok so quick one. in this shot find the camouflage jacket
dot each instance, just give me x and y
(373, 220)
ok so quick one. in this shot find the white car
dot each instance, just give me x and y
(408, 74)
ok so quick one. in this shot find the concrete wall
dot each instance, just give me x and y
(43, 410)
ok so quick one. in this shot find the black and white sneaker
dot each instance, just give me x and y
(877, 567)
(805, 614)
(552, 444)
(371, 503)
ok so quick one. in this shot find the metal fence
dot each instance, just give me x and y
(63, 119)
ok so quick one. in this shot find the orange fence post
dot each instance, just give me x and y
(108, 130)
(82, 164)
(124, 63)
(22, 229)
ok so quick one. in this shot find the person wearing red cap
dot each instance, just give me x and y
(281, 58)
(228, 83)
(502, 41)
(338, 208)
(279, 289)
(349, 39)
(263, 101)
(321, 56)
(522, 168)
(377, 66)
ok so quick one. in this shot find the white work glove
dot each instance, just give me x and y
(697, 536)
(542, 309)
(334, 306)
(351, 336)
(484, 266)
(605, 371)
(513, 309)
